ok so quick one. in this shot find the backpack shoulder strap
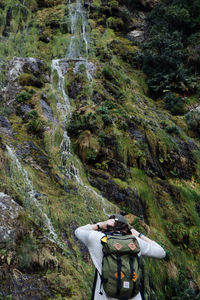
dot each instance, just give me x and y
(103, 240)
(94, 284)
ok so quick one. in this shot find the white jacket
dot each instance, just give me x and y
(92, 239)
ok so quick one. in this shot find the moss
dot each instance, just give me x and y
(120, 183)
(26, 79)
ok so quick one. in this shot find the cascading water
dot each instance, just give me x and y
(77, 51)
(31, 202)
(78, 47)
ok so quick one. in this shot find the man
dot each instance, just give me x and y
(91, 236)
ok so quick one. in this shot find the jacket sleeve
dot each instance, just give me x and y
(83, 233)
(151, 249)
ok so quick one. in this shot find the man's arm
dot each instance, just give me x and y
(148, 247)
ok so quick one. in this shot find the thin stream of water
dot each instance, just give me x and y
(30, 199)
(78, 53)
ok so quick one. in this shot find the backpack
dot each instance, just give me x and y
(121, 272)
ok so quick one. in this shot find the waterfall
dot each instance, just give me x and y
(78, 47)
(77, 51)
(31, 202)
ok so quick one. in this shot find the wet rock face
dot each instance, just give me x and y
(33, 156)
(23, 286)
(5, 126)
(47, 111)
(36, 69)
(9, 211)
(124, 197)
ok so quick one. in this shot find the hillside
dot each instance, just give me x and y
(99, 113)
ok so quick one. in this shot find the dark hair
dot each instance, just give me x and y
(119, 227)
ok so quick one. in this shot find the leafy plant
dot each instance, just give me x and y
(35, 125)
(23, 96)
(80, 123)
(174, 103)
(25, 250)
(193, 119)
(163, 58)
(179, 289)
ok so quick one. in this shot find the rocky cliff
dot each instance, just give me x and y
(82, 135)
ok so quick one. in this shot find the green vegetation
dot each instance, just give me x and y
(141, 154)
(23, 96)
(193, 120)
(167, 58)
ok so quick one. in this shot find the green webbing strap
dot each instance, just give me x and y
(119, 267)
(94, 284)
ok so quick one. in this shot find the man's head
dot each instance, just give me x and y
(121, 225)
(119, 218)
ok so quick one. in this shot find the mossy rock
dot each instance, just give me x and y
(26, 79)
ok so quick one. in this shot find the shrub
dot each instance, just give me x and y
(88, 146)
(31, 115)
(80, 123)
(35, 126)
(178, 233)
(107, 119)
(109, 104)
(162, 60)
(163, 57)
(172, 129)
(25, 251)
(174, 103)
(193, 119)
(23, 96)
(82, 68)
(126, 16)
(194, 238)
(179, 289)
(108, 74)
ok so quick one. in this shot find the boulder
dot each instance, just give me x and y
(16, 68)
(136, 36)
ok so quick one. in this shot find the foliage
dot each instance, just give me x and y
(162, 60)
(163, 57)
(179, 289)
(25, 250)
(172, 129)
(178, 233)
(193, 119)
(35, 125)
(109, 75)
(88, 146)
(80, 123)
(126, 16)
(174, 103)
(23, 96)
